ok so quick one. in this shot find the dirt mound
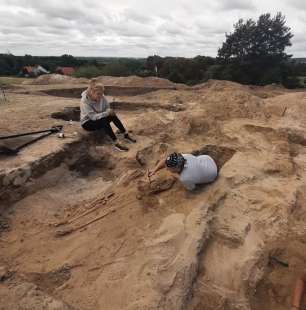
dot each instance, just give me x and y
(288, 107)
(136, 81)
(260, 91)
(235, 104)
(56, 79)
(226, 100)
(272, 87)
(129, 81)
(219, 85)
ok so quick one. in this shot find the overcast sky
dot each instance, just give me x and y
(135, 28)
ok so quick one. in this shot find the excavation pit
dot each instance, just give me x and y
(73, 113)
(220, 154)
(79, 159)
(109, 91)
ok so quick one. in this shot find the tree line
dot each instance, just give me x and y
(254, 53)
(11, 64)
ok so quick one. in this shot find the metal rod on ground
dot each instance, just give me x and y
(53, 129)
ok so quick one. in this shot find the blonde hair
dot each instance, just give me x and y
(94, 86)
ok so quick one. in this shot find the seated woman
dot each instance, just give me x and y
(96, 114)
(189, 169)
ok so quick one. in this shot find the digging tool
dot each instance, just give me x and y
(4, 150)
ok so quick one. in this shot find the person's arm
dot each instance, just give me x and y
(298, 292)
(175, 175)
(160, 165)
(91, 113)
(109, 110)
(106, 103)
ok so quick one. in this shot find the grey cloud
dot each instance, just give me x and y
(299, 38)
(131, 27)
(207, 26)
(171, 28)
(299, 4)
(137, 16)
(236, 5)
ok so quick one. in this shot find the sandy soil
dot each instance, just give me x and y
(90, 232)
(129, 81)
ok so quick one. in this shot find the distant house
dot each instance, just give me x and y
(65, 70)
(32, 71)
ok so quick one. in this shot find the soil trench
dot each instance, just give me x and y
(87, 199)
(83, 227)
(109, 91)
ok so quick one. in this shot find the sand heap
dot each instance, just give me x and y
(130, 81)
(236, 244)
(47, 79)
(136, 81)
(262, 92)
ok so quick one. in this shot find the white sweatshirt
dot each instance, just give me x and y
(198, 170)
(92, 110)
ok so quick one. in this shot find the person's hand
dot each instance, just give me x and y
(151, 173)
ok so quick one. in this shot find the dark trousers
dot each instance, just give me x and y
(104, 123)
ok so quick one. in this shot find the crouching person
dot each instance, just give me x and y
(189, 169)
(96, 114)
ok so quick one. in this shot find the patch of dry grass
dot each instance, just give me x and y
(9, 80)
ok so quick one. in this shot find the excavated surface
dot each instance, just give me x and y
(83, 228)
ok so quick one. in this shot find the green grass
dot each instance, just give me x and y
(302, 80)
(8, 80)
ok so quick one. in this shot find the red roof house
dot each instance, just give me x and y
(65, 70)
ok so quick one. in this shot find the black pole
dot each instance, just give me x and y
(53, 129)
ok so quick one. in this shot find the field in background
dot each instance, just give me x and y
(8, 80)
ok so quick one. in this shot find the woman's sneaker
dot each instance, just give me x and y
(120, 147)
(129, 138)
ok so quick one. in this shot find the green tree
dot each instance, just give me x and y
(256, 46)
(265, 38)
(87, 72)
